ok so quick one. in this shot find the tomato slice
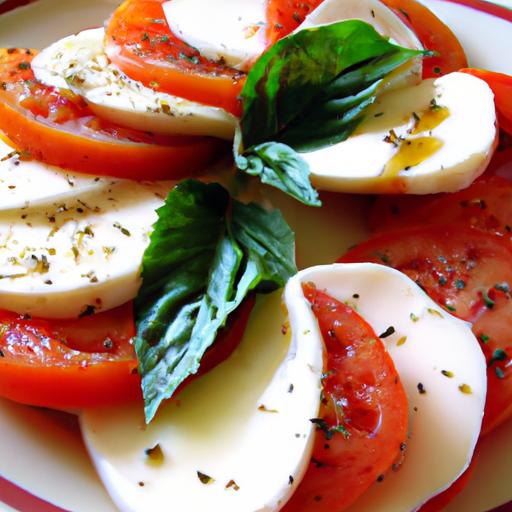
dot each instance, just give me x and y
(139, 41)
(486, 205)
(284, 16)
(57, 127)
(434, 35)
(86, 362)
(501, 86)
(467, 272)
(363, 420)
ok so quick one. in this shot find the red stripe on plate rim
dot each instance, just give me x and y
(19, 498)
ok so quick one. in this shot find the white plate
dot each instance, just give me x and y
(43, 453)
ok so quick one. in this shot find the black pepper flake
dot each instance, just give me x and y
(108, 344)
(290, 388)
(2, 353)
(88, 310)
(317, 498)
(204, 478)
(421, 389)
(141, 484)
(380, 478)
(318, 463)
(291, 480)
(388, 332)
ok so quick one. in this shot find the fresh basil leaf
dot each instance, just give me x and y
(206, 254)
(308, 91)
(302, 71)
(278, 165)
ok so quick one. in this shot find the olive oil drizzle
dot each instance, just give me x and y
(413, 151)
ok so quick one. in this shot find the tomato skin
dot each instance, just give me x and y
(86, 362)
(360, 375)
(434, 35)
(501, 86)
(57, 127)
(467, 272)
(485, 205)
(150, 53)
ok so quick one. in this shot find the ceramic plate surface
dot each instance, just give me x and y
(43, 463)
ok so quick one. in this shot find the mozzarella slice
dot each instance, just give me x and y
(385, 22)
(383, 19)
(441, 367)
(231, 31)
(28, 183)
(78, 62)
(77, 254)
(238, 439)
(435, 137)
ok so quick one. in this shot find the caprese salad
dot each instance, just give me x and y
(136, 228)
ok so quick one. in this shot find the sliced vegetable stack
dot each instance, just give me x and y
(120, 285)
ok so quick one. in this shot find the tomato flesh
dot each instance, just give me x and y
(284, 16)
(363, 420)
(86, 362)
(434, 35)
(56, 127)
(485, 205)
(467, 272)
(138, 40)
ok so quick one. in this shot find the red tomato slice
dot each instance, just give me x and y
(139, 41)
(434, 35)
(363, 420)
(284, 16)
(467, 272)
(486, 205)
(56, 127)
(501, 86)
(85, 362)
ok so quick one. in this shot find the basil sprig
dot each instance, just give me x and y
(207, 253)
(308, 91)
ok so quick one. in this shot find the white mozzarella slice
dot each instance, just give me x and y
(385, 22)
(374, 12)
(28, 183)
(231, 31)
(77, 254)
(78, 62)
(441, 366)
(435, 137)
(245, 427)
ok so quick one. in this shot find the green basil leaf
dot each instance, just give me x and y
(279, 166)
(304, 70)
(206, 253)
